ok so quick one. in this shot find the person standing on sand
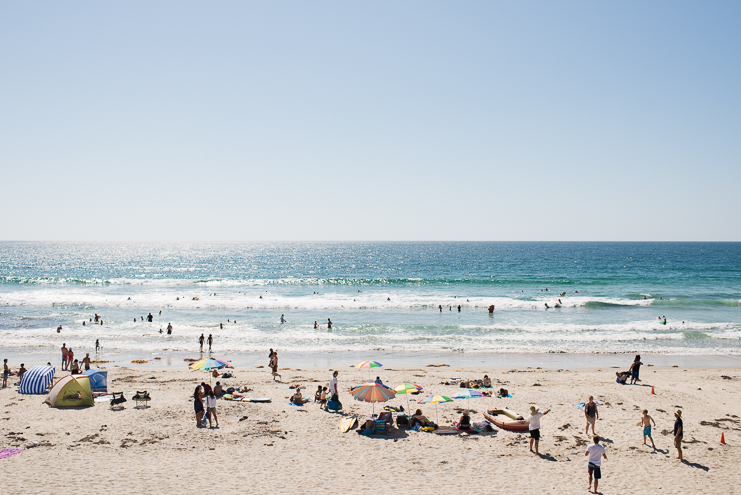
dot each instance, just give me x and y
(534, 428)
(210, 341)
(200, 341)
(591, 413)
(198, 405)
(678, 433)
(86, 361)
(333, 384)
(646, 421)
(595, 452)
(211, 407)
(64, 357)
(6, 373)
(634, 369)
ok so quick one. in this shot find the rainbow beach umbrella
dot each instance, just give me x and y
(435, 399)
(468, 394)
(406, 389)
(209, 364)
(369, 365)
(373, 392)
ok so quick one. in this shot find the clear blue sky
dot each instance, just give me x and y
(370, 120)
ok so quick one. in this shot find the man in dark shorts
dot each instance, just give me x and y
(678, 433)
(635, 368)
(534, 420)
(595, 452)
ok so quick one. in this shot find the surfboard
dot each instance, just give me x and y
(347, 423)
(256, 399)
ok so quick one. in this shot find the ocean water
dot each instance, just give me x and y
(380, 297)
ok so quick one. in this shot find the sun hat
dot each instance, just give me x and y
(678, 413)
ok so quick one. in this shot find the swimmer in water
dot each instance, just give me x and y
(329, 324)
(282, 320)
(316, 325)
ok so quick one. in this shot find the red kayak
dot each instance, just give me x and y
(510, 421)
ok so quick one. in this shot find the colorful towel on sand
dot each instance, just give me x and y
(8, 452)
(582, 405)
(500, 396)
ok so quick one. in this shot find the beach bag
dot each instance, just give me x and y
(402, 421)
(334, 405)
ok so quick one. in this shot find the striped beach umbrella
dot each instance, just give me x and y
(406, 389)
(209, 364)
(373, 392)
(435, 399)
(468, 394)
(368, 365)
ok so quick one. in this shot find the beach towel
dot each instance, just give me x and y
(500, 396)
(294, 404)
(8, 452)
(582, 405)
(103, 398)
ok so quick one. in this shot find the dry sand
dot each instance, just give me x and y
(277, 448)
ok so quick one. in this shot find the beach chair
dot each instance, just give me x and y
(118, 398)
(381, 426)
(140, 397)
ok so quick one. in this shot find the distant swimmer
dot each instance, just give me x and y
(134, 320)
(282, 320)
(59, 329)
(83, 323)
(169, 329)
(576, 292)
(96, 317)
(441, 307)
(559, 302)
(150, 317)
(221, 326)
(316, 325)
(491, 309)
(329, 324)
(200, 341)
(644, 298)
(97, 345)
(261, 297)
(210, 341)
(546, 306)
(388, 298)
(556, 305)
(563, 293)
(160, 312)
(459, 308)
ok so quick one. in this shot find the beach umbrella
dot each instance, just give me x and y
(435, 399)
(369, 365)
(468, 394)
(407, 388)
(373, 392)
(208, 365)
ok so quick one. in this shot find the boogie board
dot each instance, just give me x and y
(347, 423)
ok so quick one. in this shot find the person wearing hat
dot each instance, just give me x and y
(534, 421)
(678, 433)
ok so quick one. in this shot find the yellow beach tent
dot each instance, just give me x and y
(71, 391)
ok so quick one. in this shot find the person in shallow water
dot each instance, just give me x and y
(329, 324)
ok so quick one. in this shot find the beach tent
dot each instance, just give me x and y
(98, 379)
(71, 391)
(36, 379)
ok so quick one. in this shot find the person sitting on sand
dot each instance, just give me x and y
(215, 373)
(487, 381)
(297, 398)
(75, 368)
(465, 421)
(198, 405)
(419, 418)
(318, 394)
(218, 390)
(379, 382)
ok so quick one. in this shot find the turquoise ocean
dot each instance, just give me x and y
(381, 297)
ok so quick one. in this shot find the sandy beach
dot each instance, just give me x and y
(284, 449)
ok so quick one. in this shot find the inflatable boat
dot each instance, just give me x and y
(510, 421)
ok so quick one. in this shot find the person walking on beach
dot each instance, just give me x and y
(210, 341)
(678, 433)
(6, 373)
(65, 357)
(534, 428)
(200, 341)
(596, 453)
(646, 421)
(634, 369)
(591, 413)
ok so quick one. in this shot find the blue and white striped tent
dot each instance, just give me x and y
(36, 379)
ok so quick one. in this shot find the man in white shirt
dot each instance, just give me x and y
(534, 420)
(333, 386)
(595, 452)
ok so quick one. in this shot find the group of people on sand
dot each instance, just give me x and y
(69, 363)
(204, 391)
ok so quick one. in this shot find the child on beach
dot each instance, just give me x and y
(323, 398)
(646, 421)
(211, 407)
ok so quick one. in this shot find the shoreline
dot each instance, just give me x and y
(400, 359)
